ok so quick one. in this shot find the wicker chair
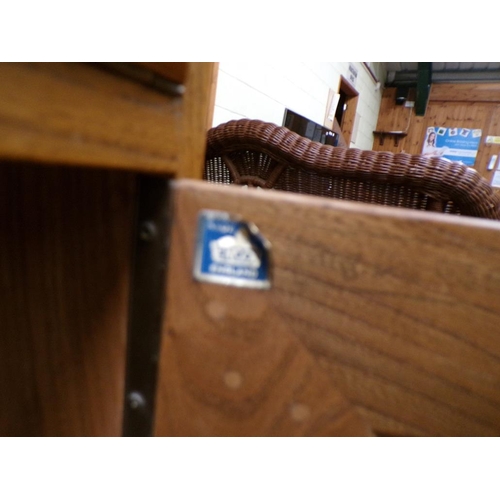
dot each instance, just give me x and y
(265, 155)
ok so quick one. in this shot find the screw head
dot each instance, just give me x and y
(147, 231)
(136, 400)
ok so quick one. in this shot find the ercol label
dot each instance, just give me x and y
(231, 252)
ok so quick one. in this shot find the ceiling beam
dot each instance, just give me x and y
(409, 78)
(424, 79)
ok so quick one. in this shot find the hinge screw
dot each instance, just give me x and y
(147, 231)
(136, 400)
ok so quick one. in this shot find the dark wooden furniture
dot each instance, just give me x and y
(378, 320)
(76, 141)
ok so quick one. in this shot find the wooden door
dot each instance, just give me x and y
(347, 109)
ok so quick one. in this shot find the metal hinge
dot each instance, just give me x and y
(147, 303)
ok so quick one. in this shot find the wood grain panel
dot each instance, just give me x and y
(393, 117)
(64, 276)
(174, 71)
(213, 93)
(230, 366)
(488, 150)
(399, 308)
(399, 117)
(461, 114)
(450, 105)
(465, 92)
(196, 108)
(77, 114)
(413, 142)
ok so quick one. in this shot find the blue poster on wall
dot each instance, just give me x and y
(455, 144)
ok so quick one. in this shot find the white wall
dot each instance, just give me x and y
(263, 91)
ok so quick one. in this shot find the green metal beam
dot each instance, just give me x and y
(424, 79)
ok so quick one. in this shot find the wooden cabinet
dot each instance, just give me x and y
(74, 141)
(89, 116)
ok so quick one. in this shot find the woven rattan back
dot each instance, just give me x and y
(265, 155)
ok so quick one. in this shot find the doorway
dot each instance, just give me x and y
(346, 109)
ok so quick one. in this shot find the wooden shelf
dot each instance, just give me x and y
(396, 134)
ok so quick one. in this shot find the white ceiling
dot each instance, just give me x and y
(406, 72)
(442, 66)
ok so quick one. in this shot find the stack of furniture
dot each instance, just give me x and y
(377, 320)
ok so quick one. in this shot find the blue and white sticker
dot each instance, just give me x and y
(231, 252)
